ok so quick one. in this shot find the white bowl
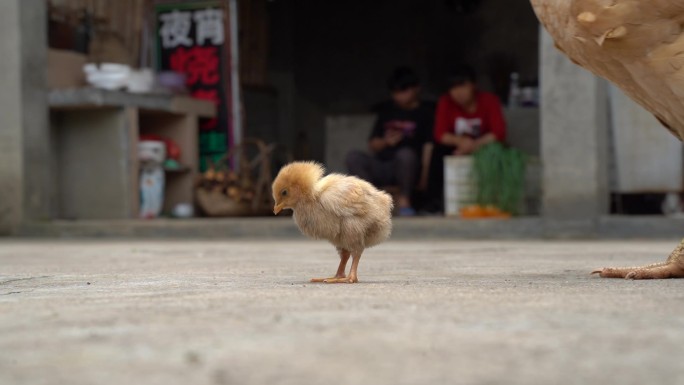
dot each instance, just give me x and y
(113, 67)
(109, 76)
(108, 81)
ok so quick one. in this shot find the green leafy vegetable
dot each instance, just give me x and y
(499, 174)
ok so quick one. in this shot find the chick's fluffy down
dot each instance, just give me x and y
(349, 212)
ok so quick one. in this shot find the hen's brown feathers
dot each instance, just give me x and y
(639, 46)
(636, 44)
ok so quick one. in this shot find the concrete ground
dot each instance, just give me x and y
(490, 312)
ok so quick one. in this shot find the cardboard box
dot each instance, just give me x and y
(65, 69)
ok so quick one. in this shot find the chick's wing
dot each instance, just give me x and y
(344, 196)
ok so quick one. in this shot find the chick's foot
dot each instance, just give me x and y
(344, 257)
(350, 279)
(320, 280)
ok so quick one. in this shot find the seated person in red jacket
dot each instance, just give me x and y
(466, 120)
(400, 143)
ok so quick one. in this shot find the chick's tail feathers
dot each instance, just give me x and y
(387, 199)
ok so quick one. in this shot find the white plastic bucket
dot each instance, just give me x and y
(459, 187)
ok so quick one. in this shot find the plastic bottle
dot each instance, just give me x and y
(514, 91)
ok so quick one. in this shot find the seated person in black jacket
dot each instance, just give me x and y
(401, 141)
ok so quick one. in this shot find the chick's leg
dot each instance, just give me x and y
(672, 268)
(352, 278)
(344, 257)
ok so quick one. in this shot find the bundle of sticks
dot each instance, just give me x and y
(240, 183)
(228, 183)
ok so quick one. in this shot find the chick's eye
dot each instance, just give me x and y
(283, 193)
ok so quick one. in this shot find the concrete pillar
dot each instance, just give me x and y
(25, 184)
(11, 138)
(574, 138)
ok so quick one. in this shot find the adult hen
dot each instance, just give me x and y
(348, 212)
(639, 46)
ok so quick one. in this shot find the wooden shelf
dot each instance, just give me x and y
(96, 139)
(89, 98)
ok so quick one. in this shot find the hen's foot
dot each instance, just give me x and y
(350, 279)
(672, 268)
(655, 271)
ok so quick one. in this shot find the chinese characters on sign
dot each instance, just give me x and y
(175, 29)
(191, 40)
(209, 26)
(176, 26)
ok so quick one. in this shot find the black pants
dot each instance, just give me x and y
(401, 170)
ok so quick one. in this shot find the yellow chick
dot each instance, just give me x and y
(348, 212)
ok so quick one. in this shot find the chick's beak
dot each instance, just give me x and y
(278, 208)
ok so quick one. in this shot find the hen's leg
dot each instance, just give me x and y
(672, 268)
(344, 257)
(352, 278)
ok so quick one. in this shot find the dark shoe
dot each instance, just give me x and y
(407, 212)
